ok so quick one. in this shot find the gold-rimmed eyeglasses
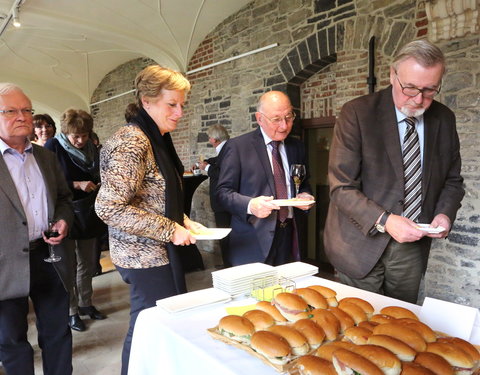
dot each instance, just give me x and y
(413, 91)
(278, 120)
(10, 113)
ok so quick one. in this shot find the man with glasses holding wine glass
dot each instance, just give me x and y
(256, 188)
(394, 165)
(33, 192)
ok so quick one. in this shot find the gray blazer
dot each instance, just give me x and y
(366, 177)
(14, 242)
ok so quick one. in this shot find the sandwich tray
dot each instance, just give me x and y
(213, 332)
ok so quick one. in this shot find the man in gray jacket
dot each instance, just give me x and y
(33, 192)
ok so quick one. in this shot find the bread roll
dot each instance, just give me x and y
(398, 312)
(355, 311)
(272, 346)
(365, 305)
(328, 293)
(313, 298)
(328, 322)
(383, 358)
(425, 331)
(407, 335)
(404, 352)
(272, 310)
(435, 363)
(311, 365)
(345, 320)
(326, 350)
(297, 341)
(357, 335)
(260, 319)
(347, 362)
(312, 331)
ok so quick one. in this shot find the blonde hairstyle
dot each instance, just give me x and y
(76, 121)
(153, 79)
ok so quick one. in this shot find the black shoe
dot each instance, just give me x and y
(76, 323)
(92, 312)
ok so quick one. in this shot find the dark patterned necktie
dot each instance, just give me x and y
(412, 170)
(279, 179)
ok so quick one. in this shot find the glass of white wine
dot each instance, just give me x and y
(297, 172)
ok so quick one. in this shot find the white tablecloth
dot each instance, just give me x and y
(178, 344)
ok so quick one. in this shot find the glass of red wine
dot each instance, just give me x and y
(51, 232)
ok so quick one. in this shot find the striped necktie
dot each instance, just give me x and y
(412, 170)
(279, 179)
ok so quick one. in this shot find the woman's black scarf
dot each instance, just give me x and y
(172, 169)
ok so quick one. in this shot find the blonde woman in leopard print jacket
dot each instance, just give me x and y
(141, 196)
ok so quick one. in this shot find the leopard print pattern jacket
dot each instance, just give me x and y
(131, 201)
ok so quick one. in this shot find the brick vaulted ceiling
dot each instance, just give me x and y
(65, 47)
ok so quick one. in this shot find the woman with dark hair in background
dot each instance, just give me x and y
(43, 128)
(79, 159)
(141, 197)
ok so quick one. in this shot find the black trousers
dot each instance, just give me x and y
(282, 244)
(147, 285)
(50, 302)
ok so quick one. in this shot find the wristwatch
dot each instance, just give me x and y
(380, 226)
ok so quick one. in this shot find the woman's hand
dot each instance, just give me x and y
(193, 226)
(86, 186)
(182, 236)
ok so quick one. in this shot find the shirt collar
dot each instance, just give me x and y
(266, 138)
(401, 116)
(4, 147)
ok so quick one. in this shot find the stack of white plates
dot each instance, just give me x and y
(240, 279)
(295, 270)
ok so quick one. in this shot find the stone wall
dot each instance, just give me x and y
(322, 61)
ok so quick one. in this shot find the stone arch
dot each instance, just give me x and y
(304, 60)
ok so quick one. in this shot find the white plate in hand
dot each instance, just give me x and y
(429, 229)
(212, 233)
(292, 202)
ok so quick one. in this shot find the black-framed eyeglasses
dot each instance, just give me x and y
(278, 120)
(413, 91)
(10, 113)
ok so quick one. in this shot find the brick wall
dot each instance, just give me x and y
(322, 62)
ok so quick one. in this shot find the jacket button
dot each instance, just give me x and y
(24, 222)
(401, 202)
(25, 250)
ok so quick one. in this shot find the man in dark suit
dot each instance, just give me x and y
(217, 137)
(33, 192)
(261, 231)
(378, 195)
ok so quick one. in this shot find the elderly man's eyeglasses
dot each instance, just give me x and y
(412, 91)
(10, 113)
(278, 120)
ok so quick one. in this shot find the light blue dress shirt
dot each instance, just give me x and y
(30, 187)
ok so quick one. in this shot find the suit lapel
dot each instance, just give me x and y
(8, 187)
(431, 126)
(261, 150)
(387, 124)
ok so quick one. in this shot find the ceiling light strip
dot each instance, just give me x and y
(198, 69)
(232, 58)
(16, 5)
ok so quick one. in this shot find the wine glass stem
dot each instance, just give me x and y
(297, 188)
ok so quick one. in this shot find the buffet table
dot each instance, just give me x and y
(178, 344)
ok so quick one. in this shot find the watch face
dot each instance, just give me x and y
(380, 228)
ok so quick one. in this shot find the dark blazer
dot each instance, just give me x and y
(14, 241)
(366, 178)
(246, 173)
(213, 174)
